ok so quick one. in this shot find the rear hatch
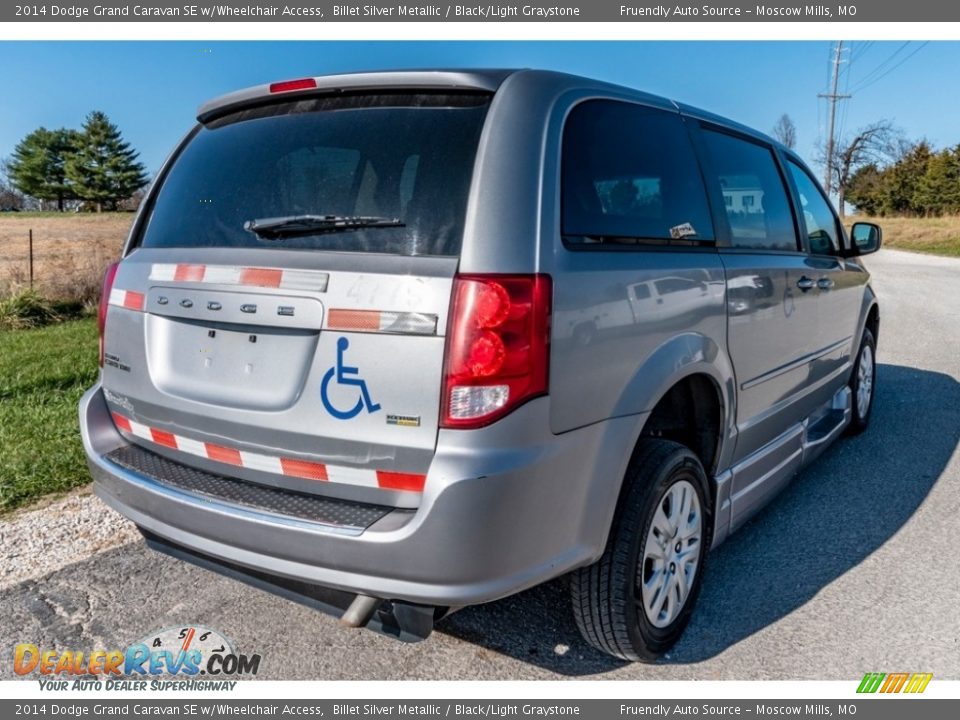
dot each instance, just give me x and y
(282, 311)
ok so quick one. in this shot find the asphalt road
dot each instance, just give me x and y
(852, 569)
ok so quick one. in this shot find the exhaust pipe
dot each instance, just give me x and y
(360, 611)
(403, 621)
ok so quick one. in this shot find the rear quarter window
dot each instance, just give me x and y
(629, 176)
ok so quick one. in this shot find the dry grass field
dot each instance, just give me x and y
(940, 236)
(70, 251)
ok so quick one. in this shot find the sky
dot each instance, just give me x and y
(151, 90)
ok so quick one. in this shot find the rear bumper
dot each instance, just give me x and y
(504, 508)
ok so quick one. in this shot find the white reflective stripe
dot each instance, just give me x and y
(410, 323)
(222, 275)
(304, 280)
(193, 447)
(140, 430)
(230, 275)
(117, 297)
(400, 323)
(163, 271)
(255, 461)
(352, 476)
(265, 463)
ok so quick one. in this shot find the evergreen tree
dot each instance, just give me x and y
(103, 169)
(867, 190)
(903, 180)
(38, 165)
(938, 190)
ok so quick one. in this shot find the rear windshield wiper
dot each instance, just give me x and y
(293, 225)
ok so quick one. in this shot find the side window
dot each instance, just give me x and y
(629, 174)
(754, 197)
(818, 218)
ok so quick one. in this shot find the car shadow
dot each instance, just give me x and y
(834, 514)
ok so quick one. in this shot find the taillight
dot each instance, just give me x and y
(497, 347)
(108, 279)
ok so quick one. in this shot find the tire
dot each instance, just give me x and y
(584, 334)
(863, 384)
(610, 596)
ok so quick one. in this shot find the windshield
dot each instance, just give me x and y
(404, 157)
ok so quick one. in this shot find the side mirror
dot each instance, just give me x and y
(866, 238)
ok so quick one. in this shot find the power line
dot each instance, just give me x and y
(860, 51)
(863, 85)
(879, 68)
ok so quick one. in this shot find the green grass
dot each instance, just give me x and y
(43, 373)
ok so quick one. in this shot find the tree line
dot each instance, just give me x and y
(921, 181)
(879, 172)
(93, 165)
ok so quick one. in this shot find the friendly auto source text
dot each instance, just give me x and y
(720, 11)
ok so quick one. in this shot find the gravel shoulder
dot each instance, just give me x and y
(57, 532)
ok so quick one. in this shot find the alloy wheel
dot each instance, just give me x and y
(671, 554)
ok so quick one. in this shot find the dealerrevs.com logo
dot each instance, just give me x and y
(894, 682)
(180, 658)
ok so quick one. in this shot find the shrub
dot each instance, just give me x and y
(27, 309)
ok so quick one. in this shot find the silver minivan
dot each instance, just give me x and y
(397, 343)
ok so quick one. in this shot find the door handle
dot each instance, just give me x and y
(824, 283)
(805, 283)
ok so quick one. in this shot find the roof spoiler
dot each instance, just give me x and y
(472, 80)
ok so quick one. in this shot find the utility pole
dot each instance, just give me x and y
(832, 96)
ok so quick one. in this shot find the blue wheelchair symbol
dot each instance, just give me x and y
(343, 374)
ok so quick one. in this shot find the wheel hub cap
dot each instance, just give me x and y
(864, 381)
(667, 569)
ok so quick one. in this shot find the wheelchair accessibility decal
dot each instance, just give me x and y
(348, 376)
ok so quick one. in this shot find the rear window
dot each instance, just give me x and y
(405, 157)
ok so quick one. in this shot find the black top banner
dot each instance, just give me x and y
(542, 11)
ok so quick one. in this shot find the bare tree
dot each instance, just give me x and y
(10, 199)
(877, 144)
(785, 131)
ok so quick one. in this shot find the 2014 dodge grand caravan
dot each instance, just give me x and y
(426, 339)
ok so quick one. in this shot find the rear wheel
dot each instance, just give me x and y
(862, 384)
(636, 600)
